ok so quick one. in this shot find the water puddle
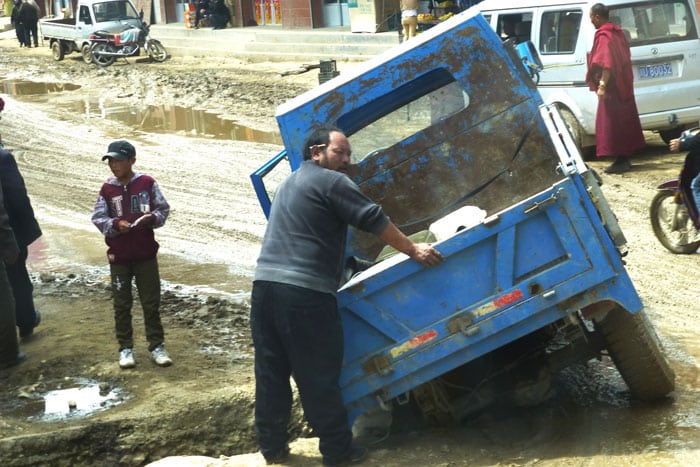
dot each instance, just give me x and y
(148, 118)
(62, 400)
(20, 87)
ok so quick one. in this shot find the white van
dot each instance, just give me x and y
(663, 36)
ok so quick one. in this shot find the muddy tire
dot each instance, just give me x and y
(156, 51)
(102, 60)
(671, 224)
(57, 51)
(575, 130)
(86, 53)
(637, 352)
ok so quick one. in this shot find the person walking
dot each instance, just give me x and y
(409, 18)
(17, 23)
(26, 230)
(9, 347)
(294, 316)
(618, 130)
(29, 15)
(129, 206)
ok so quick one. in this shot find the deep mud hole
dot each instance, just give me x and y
(203, 404)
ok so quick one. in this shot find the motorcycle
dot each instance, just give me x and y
(107, 46)
(674, 215)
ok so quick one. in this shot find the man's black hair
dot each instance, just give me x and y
(600, 10)
(320, 136)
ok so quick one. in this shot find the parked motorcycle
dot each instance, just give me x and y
(107, 46)
(674, 215)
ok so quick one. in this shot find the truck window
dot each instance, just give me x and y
(559, 31)
(84, 15)
(114, 11)
(655, 22)
(410, 108)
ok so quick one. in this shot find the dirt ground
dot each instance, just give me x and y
(202, 405)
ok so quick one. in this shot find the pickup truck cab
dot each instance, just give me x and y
(73, 34)
(451, 137)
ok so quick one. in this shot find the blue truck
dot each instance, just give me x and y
(451, 138)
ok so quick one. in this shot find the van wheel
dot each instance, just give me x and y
(57, 51)
(575, 130)
(638, 355)
(668, 135)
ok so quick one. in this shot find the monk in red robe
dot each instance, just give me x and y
(617, 128)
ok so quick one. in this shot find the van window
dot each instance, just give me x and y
(559, 31)
(515, 25)
(655, 22)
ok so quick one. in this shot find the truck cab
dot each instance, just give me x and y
(72, 34)
(451, 137)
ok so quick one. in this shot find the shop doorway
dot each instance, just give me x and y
(335, 13)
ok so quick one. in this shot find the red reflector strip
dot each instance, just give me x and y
(499, 302)
(413, 343)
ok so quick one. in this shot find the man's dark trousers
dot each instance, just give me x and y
(22, 289)
(297, 331)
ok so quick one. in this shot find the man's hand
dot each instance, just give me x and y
(426, 254)
(675, 145)
(123, 226)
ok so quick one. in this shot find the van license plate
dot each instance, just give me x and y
(655, 71)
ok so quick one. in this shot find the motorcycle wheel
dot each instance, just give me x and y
(156, 51)
(102, 60)
(86, 53)
(638, 354)
(671, 224)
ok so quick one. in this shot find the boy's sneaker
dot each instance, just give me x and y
(357, 454)
(161, 357)
(126, 358)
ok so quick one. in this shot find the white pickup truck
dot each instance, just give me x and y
(73, 34)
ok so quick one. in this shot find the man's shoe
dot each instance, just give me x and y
(357, 454)
(19, 358)
(621, 165)
(126, 358)
(161, 357)
(26, 332)
(279, 458)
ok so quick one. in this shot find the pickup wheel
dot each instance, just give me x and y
(671, 223)
(86, 53)
(576, 132)
(57, 51)
(102, 60)
(637, 352)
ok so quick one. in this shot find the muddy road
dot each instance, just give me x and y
(202, 405)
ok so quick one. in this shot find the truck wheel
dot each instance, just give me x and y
(671, 224)
(156, 51)
(57, 51)
(637, 352)
(102, 60)
(86, 53)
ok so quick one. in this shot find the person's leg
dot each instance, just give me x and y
(273, 393)
(412, 25)
(22, 289)
(313, 336)
(148, 285)
(405, 29)
(9, 348)
(34, 33)
(123, 300)
(695, 187)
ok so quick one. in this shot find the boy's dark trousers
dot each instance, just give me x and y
(148, 285)
(22, 289)
(8, 333)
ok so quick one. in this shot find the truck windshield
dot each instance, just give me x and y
(114, 11)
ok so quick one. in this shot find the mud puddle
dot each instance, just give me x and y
(70, 398)
(173, 119)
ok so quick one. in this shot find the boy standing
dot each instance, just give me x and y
(130, 205)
